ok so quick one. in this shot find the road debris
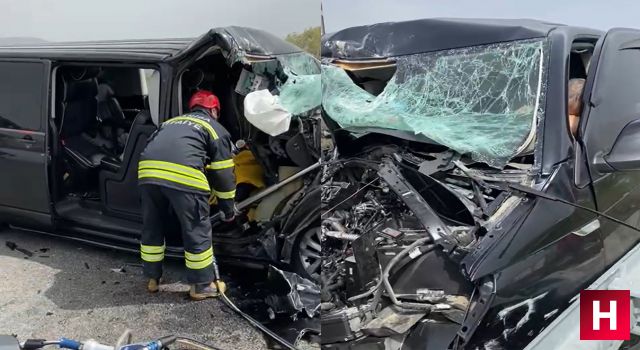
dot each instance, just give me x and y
(292, 294)
(14, 246)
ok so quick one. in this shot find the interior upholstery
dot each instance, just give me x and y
(79, 107)
(108, 106)
(118, 180)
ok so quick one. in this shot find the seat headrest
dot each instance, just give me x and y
(80, 90)
(104, 92)
(80, 73)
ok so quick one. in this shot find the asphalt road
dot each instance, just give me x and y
(69, 289)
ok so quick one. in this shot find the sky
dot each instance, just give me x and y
(68, 20)
(598, 14)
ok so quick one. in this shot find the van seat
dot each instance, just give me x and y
(118, 179)
(79, 109)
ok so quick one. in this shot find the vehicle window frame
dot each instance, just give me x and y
(581, 175)
(44, 94)
(58, 64)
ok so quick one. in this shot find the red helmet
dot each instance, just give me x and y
(205, 99)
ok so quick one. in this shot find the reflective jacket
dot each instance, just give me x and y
(191, 153)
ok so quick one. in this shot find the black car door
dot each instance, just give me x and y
(612, 96)
(24, 193)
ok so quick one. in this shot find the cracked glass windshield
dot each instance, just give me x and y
(482, 100)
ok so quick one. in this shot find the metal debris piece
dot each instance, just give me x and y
(292, 293)
(425, 294)
(393, 320)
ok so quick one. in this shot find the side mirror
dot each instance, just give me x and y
(625, 153)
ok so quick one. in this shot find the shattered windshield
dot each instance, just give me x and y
(301, 92)
(300, 63)
(482, 101)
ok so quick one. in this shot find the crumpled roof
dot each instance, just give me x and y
(240, 40)
(259, 42)
(427, 35)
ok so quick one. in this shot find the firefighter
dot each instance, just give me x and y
(188, 158)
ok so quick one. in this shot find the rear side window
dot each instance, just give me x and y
(21, 89)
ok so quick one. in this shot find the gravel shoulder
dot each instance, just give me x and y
(78, 291)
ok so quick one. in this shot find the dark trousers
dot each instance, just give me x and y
(192, 210)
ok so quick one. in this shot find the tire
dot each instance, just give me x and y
(307, 254)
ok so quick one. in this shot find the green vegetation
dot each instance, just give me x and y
(309, 40)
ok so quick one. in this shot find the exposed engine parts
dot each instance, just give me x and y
(394, 228)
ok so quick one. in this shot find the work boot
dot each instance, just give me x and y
(201, 291)
(153, 285)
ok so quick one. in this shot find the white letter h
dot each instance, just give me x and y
(598, 315)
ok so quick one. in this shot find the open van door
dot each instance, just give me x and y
(24, 190)
(611, 101)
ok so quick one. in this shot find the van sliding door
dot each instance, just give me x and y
(24, 191)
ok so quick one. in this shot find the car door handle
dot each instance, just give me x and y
(27, 139)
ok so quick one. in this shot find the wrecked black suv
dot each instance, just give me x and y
(74, 118)
(459, 211)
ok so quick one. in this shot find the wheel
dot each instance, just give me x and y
(307, 255)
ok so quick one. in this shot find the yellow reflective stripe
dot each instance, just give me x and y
(198, 256)
(152, 249)
(222, 164)
(152, 257)
(202, 123)
(177, 168)
(225, 195)
(152, 253)
(198, 261)
(180, 179)
(199, 265)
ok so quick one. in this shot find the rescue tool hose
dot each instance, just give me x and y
(195, 344)
(257, 324)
